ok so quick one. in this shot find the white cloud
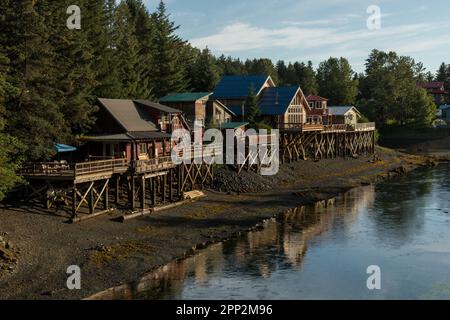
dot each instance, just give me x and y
(239, 37)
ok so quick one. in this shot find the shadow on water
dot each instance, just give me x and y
(288, 254)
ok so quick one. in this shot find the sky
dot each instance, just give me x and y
(302, 30)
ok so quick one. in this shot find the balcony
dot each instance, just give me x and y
(302, 127)
(153, 165)
(369, 126)
(79, 172)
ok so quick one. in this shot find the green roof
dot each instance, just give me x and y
(185, 97)
(233, 125)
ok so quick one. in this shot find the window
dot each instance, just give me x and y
(143, 148)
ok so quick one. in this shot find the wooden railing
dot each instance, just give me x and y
(47, 169)
(98, 167)
(301, 126)
(57, 169)
(204, 150)
(335, 128)
(142, 166)
(369, 126)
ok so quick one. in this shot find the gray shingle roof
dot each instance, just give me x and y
(341, 110)
(129, 115)
(157, 106)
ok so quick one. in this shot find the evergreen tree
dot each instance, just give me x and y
(130, 65)
(99, 28)
(281, 71)
(231, 67)
(32, 111)
(205, 73)
(441, 74)
(390, 92)
(252, 109)
(336, 81)
(307, 77)
(75, 72)
(168, 76)
(145, 36)
(10, 148)
(262, 67)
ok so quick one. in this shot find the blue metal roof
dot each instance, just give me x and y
(273, 101)
(61, 148)
(237, 110)
(276, 101)
(232, 87)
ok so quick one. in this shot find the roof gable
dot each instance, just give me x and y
(276, 101)
(431, 85)
(237, 87)
(313, 97)
(128, 114)
(341, 110)
(185, 97)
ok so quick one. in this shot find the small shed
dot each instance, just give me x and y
(345, 115)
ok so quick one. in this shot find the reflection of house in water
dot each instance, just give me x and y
(306, 224)
(355, 200)
(259, 254)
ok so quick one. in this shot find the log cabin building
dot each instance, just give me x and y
(133, 129)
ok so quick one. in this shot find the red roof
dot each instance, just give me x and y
(313, 97)
(431, 85)
(438, 92)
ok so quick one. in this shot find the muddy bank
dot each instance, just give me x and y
(111, 253)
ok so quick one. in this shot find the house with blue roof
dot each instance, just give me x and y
(281, 107)
(234, 90)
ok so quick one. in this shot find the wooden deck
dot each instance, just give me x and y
(153, 165)
(300, 127)
(369, 126)
(308, 127)
(79, 172)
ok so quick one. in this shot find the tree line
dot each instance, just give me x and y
(50, 76)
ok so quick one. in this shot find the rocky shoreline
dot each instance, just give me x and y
(8, 255)
(110, 253)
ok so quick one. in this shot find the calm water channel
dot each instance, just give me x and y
(402, 225)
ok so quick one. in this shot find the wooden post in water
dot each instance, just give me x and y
(117, 191)
(143, 192)
(74, 201)
(133, 193)
(91, 200)
(164, 178)
(170, 185)
(153, 191)
(106, 197)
